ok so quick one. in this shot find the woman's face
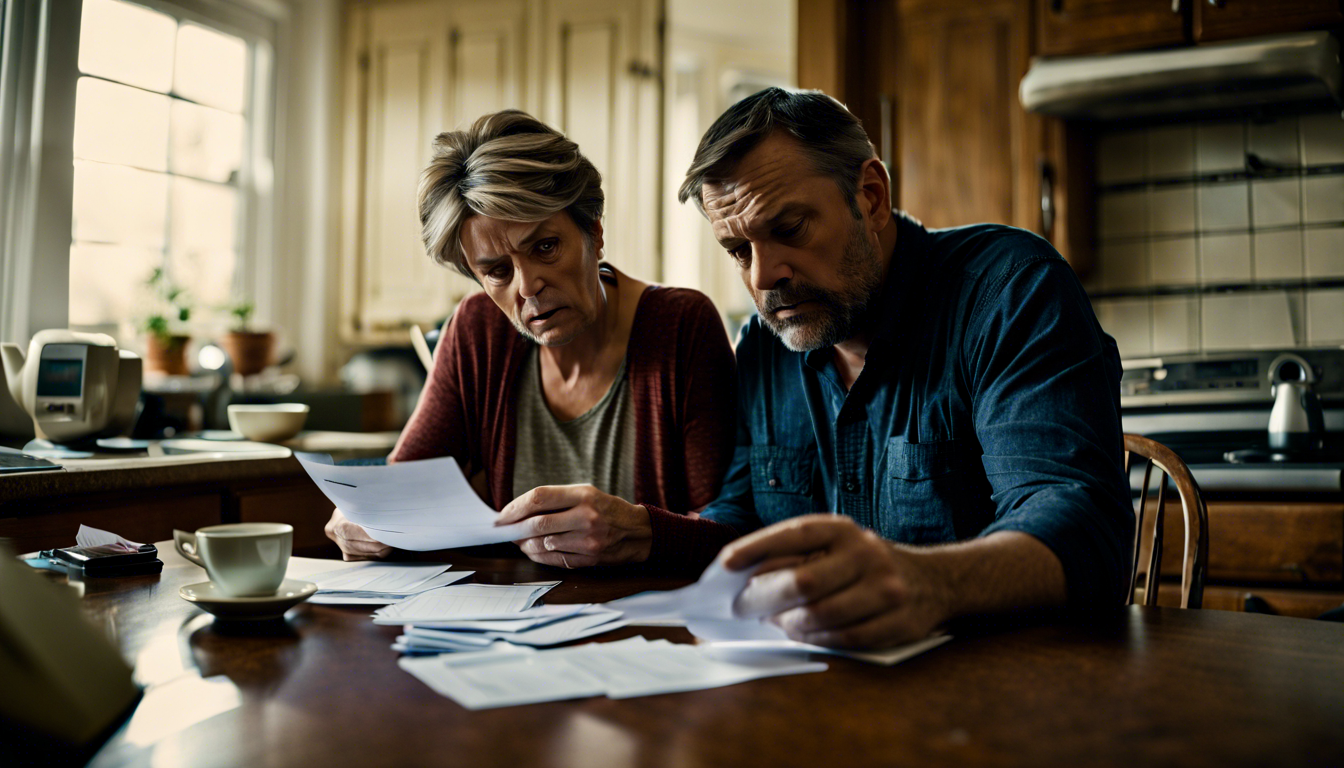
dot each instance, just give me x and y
(541, 274)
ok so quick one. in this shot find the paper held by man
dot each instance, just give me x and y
(416, 505)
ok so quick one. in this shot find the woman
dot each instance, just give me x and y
(596, 401)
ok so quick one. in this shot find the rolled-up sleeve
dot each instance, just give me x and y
(1045, 385)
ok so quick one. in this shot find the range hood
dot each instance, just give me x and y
(1228, 77)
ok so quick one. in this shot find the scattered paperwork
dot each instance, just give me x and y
(464, 601)
(619, 670)
(706, 609)
(381, 583)
(104, 542)
(413, 505)
(592, 620)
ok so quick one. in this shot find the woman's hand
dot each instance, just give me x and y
(574, 526)
(354, 541)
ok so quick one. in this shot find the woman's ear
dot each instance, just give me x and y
(597, 236)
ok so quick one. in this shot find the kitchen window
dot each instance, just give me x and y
(170, 161)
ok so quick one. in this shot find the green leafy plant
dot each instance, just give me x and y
(172, 307)
(242, 312)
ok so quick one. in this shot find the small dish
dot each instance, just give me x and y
(268, 423)
(197, 445)
(208, 596)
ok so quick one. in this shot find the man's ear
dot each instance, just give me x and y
(596, 234)
(874, 194)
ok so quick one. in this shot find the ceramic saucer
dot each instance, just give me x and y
(208, 596)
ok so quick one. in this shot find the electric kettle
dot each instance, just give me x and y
(1296, 422)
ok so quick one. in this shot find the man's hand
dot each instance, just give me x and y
(354, 541)
(574, 526)
(852, 588)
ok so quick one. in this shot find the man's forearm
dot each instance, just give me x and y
(1000, 572)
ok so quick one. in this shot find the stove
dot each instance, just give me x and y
(1213, 411)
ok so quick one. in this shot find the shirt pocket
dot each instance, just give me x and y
(922, 484)
(781, 481)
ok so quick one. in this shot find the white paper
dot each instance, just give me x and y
(413, 505)
(337, 597)
(378, 577)
(706, 609)
(517, 622)
(104, 541)
(462, 601)
(623, 669)
(563, 630)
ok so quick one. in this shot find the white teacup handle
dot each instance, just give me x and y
(185, 543)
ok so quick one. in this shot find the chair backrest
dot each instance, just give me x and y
(1194, 563)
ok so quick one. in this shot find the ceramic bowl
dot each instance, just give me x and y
(268, 423)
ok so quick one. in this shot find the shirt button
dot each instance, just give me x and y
(850, 486)
(773, 482)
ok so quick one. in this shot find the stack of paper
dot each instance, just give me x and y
(381, 583)
(414, 505)
(619, 670)
(706, 609)
(560, 625)
(465, 601)
(96, 540)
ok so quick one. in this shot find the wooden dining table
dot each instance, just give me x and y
(1131, 687)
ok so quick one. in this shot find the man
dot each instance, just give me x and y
(948, 395)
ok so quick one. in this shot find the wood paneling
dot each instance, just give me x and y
(1103, 26)
(822, 46)
(302, 506)
(1299, 603)
(1227, 19)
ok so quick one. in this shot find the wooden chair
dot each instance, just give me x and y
(1195, 560)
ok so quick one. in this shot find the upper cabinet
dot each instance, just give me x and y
(417, 68)
(1067, 27)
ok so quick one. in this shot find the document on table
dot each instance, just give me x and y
(706, 609)
(413, 505)
(561, 630)
(381, 583)
(623, 669)
(463, 601)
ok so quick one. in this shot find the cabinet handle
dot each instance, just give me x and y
(1047, 175)
(884, 105)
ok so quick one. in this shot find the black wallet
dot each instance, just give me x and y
(97, 564)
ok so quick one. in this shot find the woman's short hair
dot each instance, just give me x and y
(831, 138)
(507, 165)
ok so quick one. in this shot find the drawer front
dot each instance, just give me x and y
(1264, 542)
(142, 521)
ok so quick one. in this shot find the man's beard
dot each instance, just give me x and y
(842, 314)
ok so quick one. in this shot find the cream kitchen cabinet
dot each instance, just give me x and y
(414, 69)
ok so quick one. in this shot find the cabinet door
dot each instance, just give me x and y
(1227, 19)
(1102, 26)
(962, 143)
(600, 81)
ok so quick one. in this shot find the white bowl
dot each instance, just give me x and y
(268, 423)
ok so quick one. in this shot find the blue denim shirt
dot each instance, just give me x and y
(989, 401)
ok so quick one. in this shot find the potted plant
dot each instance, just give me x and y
(249, 349)
(165, 339)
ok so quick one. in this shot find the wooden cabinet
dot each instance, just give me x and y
(415, 68)
(1102, 26)
(1068, 27)
(1228, 19)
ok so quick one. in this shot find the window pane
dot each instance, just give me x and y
(107, 282)
(211, 68)
(120, 205)
(125, 42)
(118, 124)
(201, 257)
(207, 143)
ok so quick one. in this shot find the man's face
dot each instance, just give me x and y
(541, 274)
(811, 267)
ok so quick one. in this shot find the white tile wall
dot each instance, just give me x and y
(1276, 202)
(1214, 227)
(1325, 316)
(1174, 261)
(1324, 252)
(1278, 255)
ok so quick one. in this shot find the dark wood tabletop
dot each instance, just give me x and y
(1142, 686)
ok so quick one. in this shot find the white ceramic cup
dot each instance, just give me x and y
(242, 559)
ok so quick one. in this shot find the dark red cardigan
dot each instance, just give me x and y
(684, 388)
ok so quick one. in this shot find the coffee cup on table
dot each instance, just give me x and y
(242, 559)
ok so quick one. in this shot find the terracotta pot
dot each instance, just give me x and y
(167, 355)
(250, 352)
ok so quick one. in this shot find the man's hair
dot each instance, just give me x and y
(831, 137)
(507, 165)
